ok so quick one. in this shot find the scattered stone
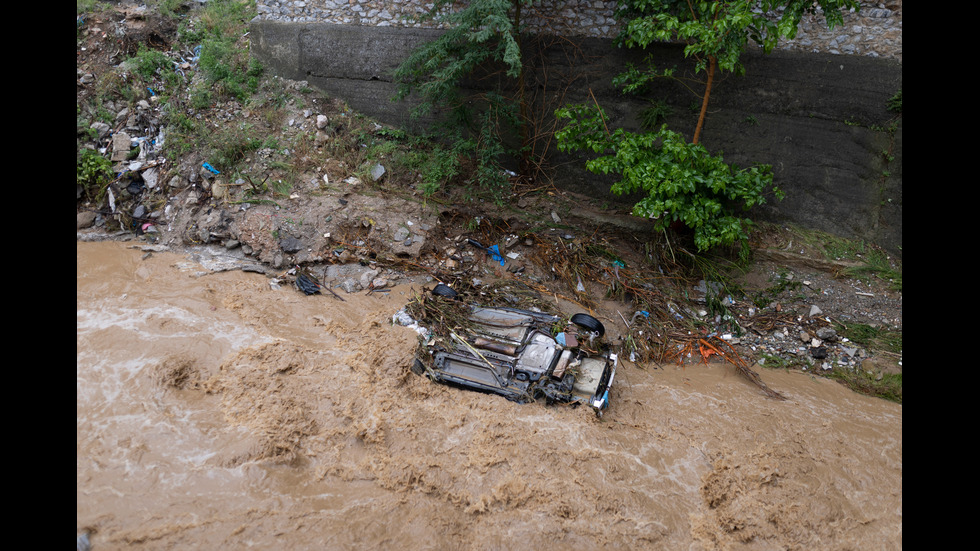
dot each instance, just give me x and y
(150, 176)
(121, 144)
(101, 129)
(401, 234)
(290, 245)
(367, 277)
(827, 334)
(84, 219)
(350, 285)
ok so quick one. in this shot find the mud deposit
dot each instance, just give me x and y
(214, 412)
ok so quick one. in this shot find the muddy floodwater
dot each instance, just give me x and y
(217, 412)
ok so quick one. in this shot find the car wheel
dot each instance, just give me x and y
(442, 290)
(589, 323)
(417, 367)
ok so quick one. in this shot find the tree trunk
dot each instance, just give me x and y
(712, 62)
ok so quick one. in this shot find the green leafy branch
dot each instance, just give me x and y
(682, 181)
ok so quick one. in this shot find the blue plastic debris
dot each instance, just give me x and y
(494, 253)
(210, 168)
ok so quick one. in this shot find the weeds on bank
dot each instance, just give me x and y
(876, 263)
(871, 261)
(887, 386)
(214, 38)
(870, 336)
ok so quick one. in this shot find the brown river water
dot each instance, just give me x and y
(215, 412)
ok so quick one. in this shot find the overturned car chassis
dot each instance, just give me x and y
(512, 352)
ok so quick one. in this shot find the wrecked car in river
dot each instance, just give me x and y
(522, 355)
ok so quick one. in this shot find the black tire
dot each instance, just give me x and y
(417, 367)
(589, 323)
(442, 290)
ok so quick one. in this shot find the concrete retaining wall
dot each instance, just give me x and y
(819, 119)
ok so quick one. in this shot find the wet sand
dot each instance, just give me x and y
(214, 412)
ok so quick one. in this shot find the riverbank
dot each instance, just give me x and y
(319, 186)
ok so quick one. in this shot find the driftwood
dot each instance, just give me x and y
(711, 346)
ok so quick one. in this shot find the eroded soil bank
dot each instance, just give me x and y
(216, 411)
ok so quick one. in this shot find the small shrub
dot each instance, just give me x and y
(148, 62)
(895, 102)
(229, 70)
(436, 168)
(93, 174)
(229, 146)
(226, 64)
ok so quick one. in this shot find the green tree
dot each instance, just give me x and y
(481, 35)
(715, 33)
(684, 182)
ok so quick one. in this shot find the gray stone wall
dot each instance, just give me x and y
(875, 30)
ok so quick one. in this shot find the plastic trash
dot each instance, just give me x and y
(493, 251)
(210, 168)
(402, 318)
(307, 284)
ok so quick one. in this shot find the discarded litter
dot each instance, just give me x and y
(493, 251)
(307, 284)
(210, 168)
